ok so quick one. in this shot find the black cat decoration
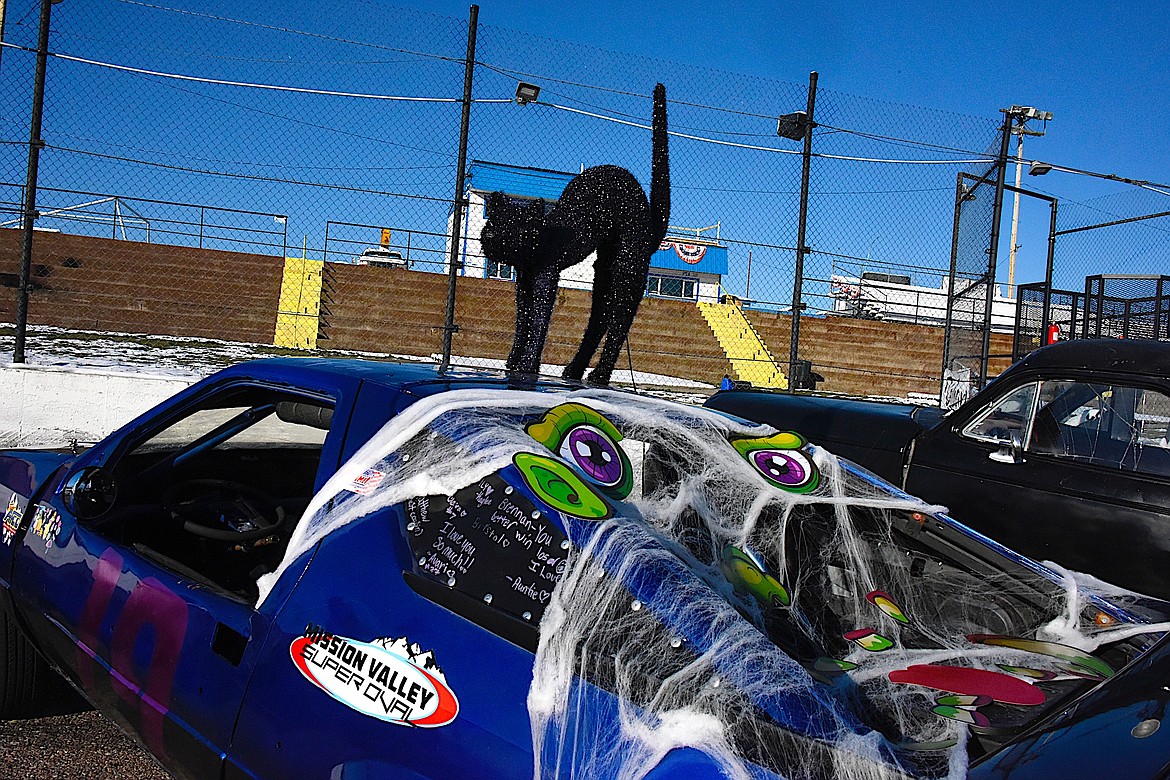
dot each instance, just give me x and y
(603, 210)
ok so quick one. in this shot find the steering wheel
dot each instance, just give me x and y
(223, 510)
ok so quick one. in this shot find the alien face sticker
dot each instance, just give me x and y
(559, 486)
(779, 460)
(746, 574)
(587, 440)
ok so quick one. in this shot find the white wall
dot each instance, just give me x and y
(47, 406)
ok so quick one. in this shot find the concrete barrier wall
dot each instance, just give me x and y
(47, 406)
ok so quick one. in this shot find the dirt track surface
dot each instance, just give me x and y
(68, 741)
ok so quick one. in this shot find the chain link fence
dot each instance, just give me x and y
(1119, 232)
(293, 184)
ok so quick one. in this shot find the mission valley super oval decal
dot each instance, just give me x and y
(388, 679)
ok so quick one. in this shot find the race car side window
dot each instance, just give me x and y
(1011, 414)
(215, 493)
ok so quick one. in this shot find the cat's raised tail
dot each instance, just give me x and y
(659, 169)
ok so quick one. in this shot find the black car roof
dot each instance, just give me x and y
(1131, 356)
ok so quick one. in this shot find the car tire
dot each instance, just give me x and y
(22, 670)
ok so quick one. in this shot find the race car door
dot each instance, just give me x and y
(148, 603)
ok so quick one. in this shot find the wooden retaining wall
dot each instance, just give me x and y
(124, 286)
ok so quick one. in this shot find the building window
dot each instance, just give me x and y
(494, 270)
(670, 287)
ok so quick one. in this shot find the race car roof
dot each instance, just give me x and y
(417, 379)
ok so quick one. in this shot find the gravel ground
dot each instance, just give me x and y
(69, 741)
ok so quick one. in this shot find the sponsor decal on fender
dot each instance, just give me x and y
(46, 525)
(11, 521)
(388, 679)
(366, 482)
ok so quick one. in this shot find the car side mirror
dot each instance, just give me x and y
(89, 493)
(1010, 451)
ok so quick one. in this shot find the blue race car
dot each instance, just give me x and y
(345, 569)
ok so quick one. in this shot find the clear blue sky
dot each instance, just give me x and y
(1101, 70)
(1102, 73)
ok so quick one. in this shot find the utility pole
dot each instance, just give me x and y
(1020, 116)
(3, 5)
(799, 126)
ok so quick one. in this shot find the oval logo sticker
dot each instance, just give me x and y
(388, 679)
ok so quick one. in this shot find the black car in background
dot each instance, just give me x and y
(1065, 457)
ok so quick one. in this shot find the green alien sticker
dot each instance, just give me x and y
(559, 486)
(779, 460)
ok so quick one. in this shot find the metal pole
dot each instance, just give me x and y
(3, 6)
(1015, 215)
(802, 224)
(960, 197)
(1046, 317)
(748, 292)
(35, 144)
(449, 326)
(993, 250)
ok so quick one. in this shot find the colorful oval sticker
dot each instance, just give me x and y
(778, 460)
(882, 601)
(388, 679)
(559, 486)
(745, 574)
(1082, 662)
(868, 639)
(970, 682)
(587, 439)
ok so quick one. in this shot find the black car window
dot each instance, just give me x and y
(1009, 415)
(1110, 425)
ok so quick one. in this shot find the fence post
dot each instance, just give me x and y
(801, 249)
(449, 326)
(35, 144)
(1046, 314)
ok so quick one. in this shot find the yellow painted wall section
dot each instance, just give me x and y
(747, 352)
(300, 304)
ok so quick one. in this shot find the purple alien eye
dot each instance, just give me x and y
(592, 451)
(785, 468)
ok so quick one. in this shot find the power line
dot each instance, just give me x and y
(253, 85)
(773, 149)
(299, 121)
(246, 176)
(253, 163)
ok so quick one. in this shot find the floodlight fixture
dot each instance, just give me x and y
(526, 93)
(1037, 168)
(793, 126)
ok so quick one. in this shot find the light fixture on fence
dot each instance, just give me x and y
(793, 126)
(526, 93)
(1037, 168)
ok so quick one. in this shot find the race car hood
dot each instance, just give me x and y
(1118, 724)
(24, 471)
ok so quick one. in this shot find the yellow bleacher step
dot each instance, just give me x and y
(747, 352)
(300, 304)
